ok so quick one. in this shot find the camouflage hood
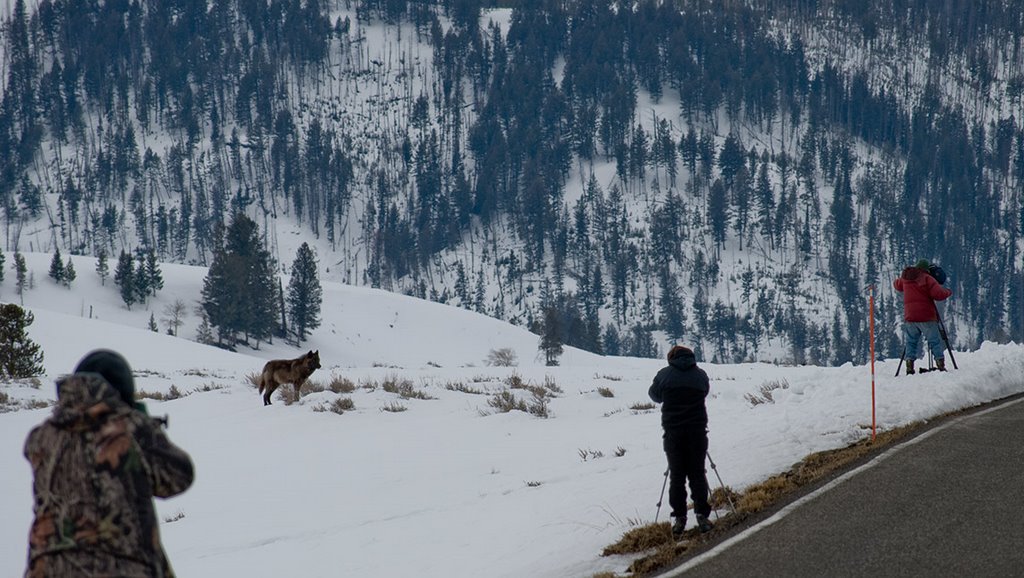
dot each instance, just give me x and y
(83, 401)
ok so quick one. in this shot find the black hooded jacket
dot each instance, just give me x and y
(681, 388)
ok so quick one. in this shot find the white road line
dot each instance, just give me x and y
(725, 545)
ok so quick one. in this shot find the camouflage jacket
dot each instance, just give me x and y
(97, 463)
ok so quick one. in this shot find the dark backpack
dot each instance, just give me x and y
(937, 272)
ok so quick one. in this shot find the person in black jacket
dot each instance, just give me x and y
(681, 389)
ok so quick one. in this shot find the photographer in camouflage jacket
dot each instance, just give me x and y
(97, 462)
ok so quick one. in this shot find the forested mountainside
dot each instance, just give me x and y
(730, 174)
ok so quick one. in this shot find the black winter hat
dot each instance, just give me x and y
(114, 368)
(678, 351)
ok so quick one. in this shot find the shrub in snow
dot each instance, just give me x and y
(394, 407)
(338, 406)
(341, 385)
(505, 401)
(504, 357)
(765, 392)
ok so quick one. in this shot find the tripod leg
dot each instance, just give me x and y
(720, 484)
(948, 348)
(945, 337)
(663, 484)
(902, 356)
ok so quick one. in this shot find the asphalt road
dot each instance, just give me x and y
(949, 502)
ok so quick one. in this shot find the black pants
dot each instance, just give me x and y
(686, 449)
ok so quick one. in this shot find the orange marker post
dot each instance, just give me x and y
(871, 325)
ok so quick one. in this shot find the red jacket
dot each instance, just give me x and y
(920, 291)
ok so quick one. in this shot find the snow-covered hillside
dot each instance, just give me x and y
(444, 486)
(474, 157)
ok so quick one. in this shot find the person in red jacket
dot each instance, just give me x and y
(920, 317)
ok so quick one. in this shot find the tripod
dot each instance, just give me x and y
(945, 339)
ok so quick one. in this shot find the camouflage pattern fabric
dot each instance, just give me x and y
(97, 463)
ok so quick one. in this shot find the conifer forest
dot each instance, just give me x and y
(733, 175)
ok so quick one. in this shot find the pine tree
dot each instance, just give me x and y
(462, 285)
(479, 297)
(153, 274)
(642, 342)
(2, 261)
(221, 293)
(57, 268)
(124, 278)
(238, 292)
(282, 309)
(673, 316)
(20, 357)
(551, 338)
(152, 323)
(612, 342)
(21, 272)
(69, 273)
(148, 277)
(304, 293)
(102, 268)
(140, 279)
(204, 333)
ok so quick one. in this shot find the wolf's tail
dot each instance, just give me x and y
(259, 382)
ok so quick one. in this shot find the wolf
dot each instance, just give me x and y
(294, 371)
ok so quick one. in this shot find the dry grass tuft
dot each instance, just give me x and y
(338, 406)
(211, 386)
(172, 393)
(606, 392)
(553, 389)
(766, 395)
(394, 407)
(7, 404)
(641, 539)
(311, 386)
(664, 556)
(340, 384)
(539, 405)
(505, 401)
(402, 387)
(723, 498)
(462, 387)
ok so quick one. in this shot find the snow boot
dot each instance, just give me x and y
(678, 528)
(940, 364)
(910, 367)
(704, 524)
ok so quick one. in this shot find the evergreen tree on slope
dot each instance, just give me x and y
(20, 357)
(238, 292)
(304, 293)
